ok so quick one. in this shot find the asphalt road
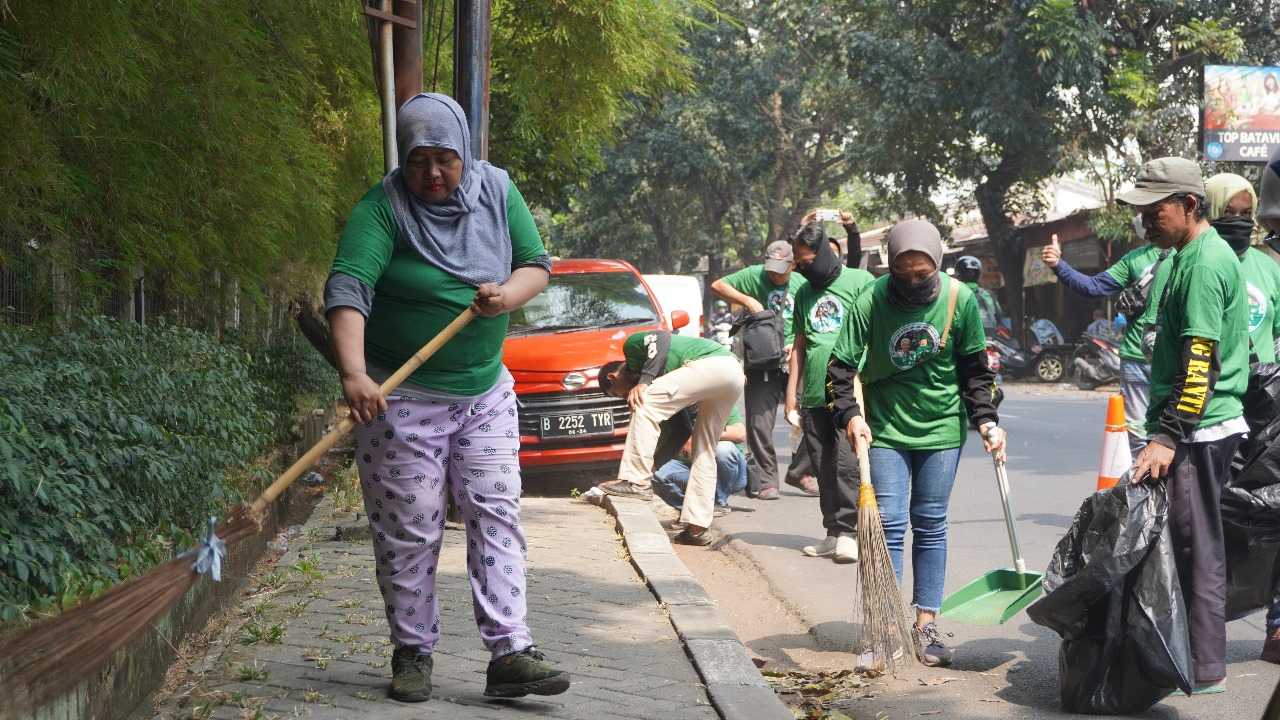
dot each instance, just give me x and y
(1008, 671)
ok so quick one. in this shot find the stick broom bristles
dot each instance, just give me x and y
(50, 658)
(884, 622)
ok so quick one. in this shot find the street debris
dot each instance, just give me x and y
(815, 696)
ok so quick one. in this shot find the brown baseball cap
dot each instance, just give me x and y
(778, 257)
(1163, 177)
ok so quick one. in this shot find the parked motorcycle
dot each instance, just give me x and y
(1097, 361)
(1045, 362)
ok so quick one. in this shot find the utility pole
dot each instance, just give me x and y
(471, 50)
(395, 37)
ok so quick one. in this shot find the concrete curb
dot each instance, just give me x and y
(735, 686)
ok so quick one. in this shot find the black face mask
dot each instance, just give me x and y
(823, 269)
(1237, 231)
(914, 294)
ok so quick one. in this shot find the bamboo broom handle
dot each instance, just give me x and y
(860, 447)
(312, 456)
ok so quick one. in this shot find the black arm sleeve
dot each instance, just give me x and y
(1192, 389)
(853, 251)
(840, 398)
(977, 387)
(655, 362)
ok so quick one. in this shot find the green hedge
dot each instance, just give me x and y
(117, 441)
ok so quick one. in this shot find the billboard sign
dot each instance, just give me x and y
(1240, 120)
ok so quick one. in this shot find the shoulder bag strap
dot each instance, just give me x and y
(952, 294)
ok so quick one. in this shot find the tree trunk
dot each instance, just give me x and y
(1002, 233)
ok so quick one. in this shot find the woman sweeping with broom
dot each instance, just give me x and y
(914, 338)
(440, 234)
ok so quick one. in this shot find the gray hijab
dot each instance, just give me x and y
(466, 235)
(918, 236)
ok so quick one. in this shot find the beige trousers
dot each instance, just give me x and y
(713, 384)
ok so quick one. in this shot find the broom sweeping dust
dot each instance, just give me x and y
(52, 657)
(884, 627)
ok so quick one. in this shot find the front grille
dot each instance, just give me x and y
(533, 407)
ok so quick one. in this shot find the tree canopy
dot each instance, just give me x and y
(217, 146)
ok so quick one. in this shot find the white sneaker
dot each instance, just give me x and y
(846, 550)
(826, 548)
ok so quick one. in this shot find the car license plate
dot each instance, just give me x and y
(574, 424)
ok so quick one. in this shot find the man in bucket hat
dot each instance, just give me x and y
(1199, 371)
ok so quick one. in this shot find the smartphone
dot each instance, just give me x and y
(828, 215)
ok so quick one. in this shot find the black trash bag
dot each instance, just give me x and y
(1112, 593)
(1251, 500)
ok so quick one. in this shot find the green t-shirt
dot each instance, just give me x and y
(1205, 297)
(819, 315)
(1262, 287)
(754, 281)
(684, 349)
(1128, 270)
(912, 392)
(414, 300)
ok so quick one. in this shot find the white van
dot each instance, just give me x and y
(679, 292)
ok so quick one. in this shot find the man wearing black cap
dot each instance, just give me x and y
(1199, 372)
(768, 286)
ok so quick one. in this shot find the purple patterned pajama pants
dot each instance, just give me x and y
(406, 459)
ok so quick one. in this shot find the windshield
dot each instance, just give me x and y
(586, 300)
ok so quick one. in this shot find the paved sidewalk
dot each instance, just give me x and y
(313, 643)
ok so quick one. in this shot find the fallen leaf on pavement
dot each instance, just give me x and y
(937, 681)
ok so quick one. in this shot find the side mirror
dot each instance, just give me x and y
(679, 319)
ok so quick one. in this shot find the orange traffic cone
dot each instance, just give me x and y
(1116, 457)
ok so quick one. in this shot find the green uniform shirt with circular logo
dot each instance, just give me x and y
(819, 315)
(912, 391)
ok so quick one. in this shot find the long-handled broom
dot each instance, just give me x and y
(885, 627)
(50, 658)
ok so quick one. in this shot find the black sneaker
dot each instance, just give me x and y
(936, 654)
(410, 676)
(523, 673)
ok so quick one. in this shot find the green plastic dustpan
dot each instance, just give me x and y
(1000, 594)
(993, 598)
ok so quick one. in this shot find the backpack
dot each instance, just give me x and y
(1132, 301)
(761, 335)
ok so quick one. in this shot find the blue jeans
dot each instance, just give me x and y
(915, 486)
(671, 479)
(1135, 386)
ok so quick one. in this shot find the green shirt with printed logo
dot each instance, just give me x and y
(911, 390)
(753, 280)
(1127, 271)
(819, 315)
(1262, 287)
(1205, 297)
(684, 350)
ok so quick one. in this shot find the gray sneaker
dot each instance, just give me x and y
(410, 676)
(626, 489)
(936, 654)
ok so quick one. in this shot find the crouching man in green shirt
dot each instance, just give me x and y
(662, 375)
(1199, 371)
